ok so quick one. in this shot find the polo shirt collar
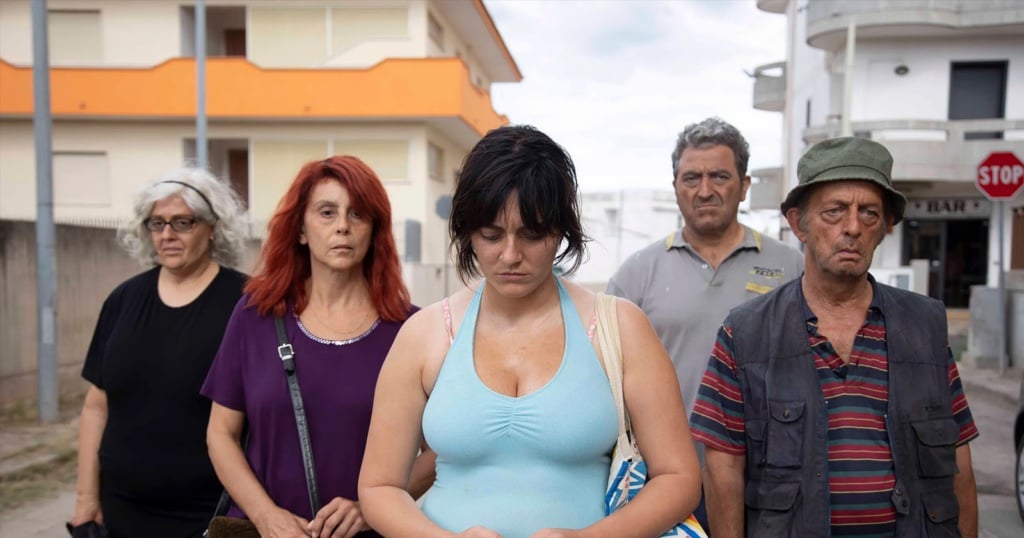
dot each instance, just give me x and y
(877, 304)
(751, 239)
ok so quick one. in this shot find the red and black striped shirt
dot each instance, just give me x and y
(861, 470)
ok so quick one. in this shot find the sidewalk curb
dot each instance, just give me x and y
(1004, 387)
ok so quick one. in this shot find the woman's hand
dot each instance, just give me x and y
(87, 508)
(340, 518)
(280, 523)
(478, 532)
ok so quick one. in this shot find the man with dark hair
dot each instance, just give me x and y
(832, 406)
(687, 282)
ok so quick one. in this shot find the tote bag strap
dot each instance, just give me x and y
(611, 352)
(284, 350)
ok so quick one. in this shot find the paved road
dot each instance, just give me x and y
(993, 458)
(44, 519)
(992, 454)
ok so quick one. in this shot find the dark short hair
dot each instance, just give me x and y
(520, 160)
(713, 131)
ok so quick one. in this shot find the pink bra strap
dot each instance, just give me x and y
(447, 320)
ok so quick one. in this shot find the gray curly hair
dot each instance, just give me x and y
(220, 208)
(713, 131)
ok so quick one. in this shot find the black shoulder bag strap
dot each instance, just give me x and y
(284, 350)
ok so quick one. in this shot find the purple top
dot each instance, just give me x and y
(337, 379)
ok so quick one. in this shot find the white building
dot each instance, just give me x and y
(403, 84)
(621, 223)
(941, 84)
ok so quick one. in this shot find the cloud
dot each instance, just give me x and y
(614, 81)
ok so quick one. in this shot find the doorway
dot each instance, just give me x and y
(957, 254)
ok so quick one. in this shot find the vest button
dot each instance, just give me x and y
(818, 474)
(898, 491)
(785, 414)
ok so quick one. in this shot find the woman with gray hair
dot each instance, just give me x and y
(143, 468)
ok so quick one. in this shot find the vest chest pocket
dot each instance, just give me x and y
(785, 439)
(936, 446)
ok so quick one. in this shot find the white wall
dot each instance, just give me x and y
(139, 152)
(455, 45)
(642, 217)
(923, 93)
(125, 25)
(136, 153)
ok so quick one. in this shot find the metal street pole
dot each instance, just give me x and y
(202, 158)
(46, 259)
(1000, 204)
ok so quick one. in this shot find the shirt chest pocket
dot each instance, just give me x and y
(785, 434)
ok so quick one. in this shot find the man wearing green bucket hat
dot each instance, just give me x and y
(832, 406)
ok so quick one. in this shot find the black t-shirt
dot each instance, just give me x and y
(151, 360)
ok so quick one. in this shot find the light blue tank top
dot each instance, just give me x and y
(517, 465)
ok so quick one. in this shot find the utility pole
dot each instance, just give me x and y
(46, 259)
(202, 157)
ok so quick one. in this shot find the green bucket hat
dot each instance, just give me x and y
(847, 158)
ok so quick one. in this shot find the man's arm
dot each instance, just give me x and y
(717, 421)
(963, 481)
(723, 493)
(966, 492)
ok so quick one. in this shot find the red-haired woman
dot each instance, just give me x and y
(330, 269)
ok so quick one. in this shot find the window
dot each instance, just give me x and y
(284, 37)
(977, 90)
(435, 31)
(75, 37)
(388, 158)
(81, 178)
(435, 161)
(353, 26)
(274, 163)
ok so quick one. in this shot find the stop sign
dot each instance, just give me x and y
(1000, 175)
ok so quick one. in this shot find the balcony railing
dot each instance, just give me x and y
(827, 20)
(933, 150)
(769, 88)
(416, 89)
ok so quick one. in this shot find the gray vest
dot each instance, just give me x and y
(786, 417)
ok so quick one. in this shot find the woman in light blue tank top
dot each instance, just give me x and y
(543, 456)
(502, 380)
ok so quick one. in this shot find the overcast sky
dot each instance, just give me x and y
(614, 81)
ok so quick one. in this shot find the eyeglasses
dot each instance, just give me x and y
(178, 224)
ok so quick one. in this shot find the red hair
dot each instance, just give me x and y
(285, 265)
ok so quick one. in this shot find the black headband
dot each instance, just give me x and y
(199, 192)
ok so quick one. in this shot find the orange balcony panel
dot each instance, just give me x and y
(398, 89)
